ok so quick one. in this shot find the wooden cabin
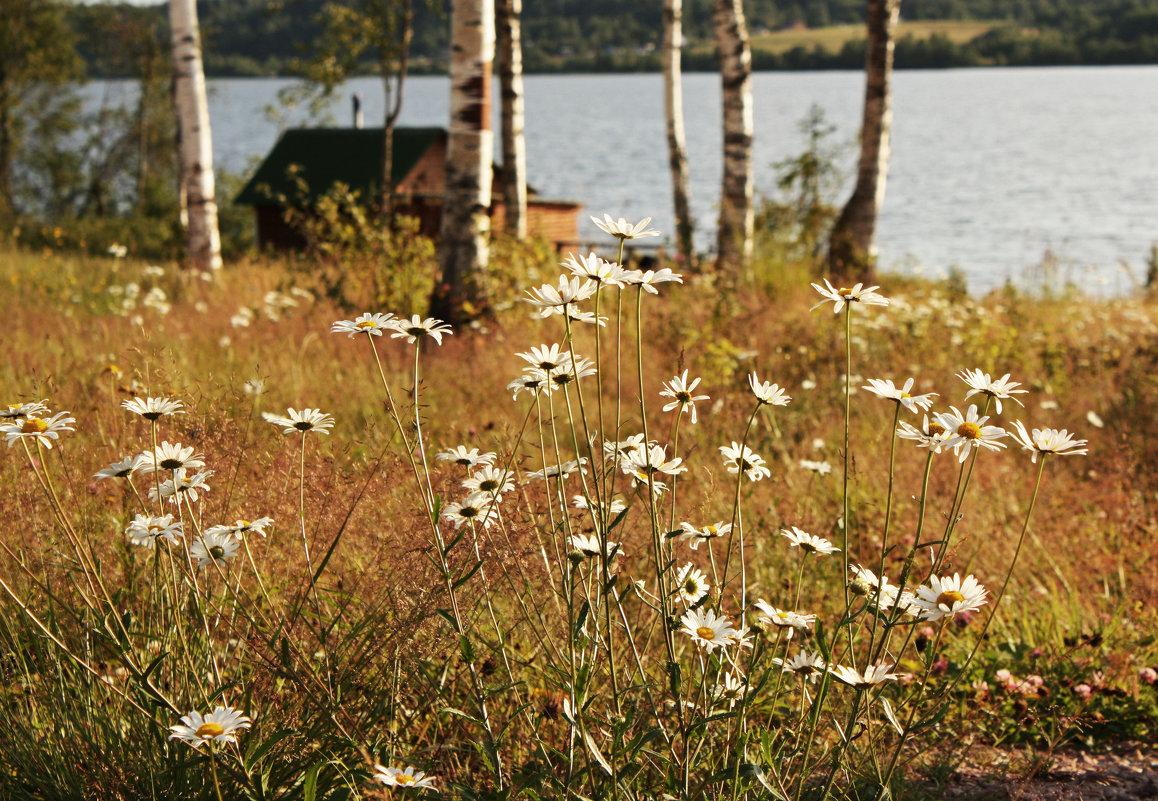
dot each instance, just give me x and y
(307, 162)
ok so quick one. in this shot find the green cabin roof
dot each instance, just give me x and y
(325, 156)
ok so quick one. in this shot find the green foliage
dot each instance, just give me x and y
(357, 259)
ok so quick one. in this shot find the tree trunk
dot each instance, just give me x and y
(734, 237)
(463, 247)
(510, 60)
(386, 201)
(677, 151)
(196, 143)
(852, 249)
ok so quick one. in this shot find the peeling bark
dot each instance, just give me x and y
(852, 249)
(674, 112)
(463, 248)
(510, 59)
(734, 236)
(195, 152)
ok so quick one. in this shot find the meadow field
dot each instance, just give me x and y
(266, 535)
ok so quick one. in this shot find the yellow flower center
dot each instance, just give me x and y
(691, 586)
(684, 397)
(949, 597)
(844, 292)
(403, 779)
(969, 430)
(208, 730)
(711, 530)
(34, 425)
(416, 331)
(936, 429)
(365, 324)
(217, 552)
(706, 633)
(905, 395)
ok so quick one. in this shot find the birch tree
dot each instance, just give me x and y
(463, 246)
(852, 248)
(195, 143)
(734, 237)
(674, 111)
(508, 15)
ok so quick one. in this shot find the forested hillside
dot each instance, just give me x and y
(264, 37)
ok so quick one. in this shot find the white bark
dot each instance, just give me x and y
(734, 238)
(853, 245)
(470, 152)
(195, 155)
(510, 42)
(674, 112)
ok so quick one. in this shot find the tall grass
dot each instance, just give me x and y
(541, 632)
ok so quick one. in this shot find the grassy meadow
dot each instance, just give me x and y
(584, 632)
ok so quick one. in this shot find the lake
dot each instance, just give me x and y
(994, 171)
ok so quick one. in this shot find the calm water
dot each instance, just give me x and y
(991, 169)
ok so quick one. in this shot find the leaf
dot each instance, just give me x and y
(891, 715)
(466, 577)
(595, 752)
(310, 785)
(581, 619)
(445, 615)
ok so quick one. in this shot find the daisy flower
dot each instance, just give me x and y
(153, 408)
(1001, 389)
(553, 299)
(145, 530)
(691, 584)
(13, 411)
(589, 546)
(1048, 440)
(706, 629)
(697, 535)
(839, 297)
(304, 420)
(807, 542)
(416, 328)
(478, 508)
(370, 324)
(169, 457)
(572, 370)
(646, 461)
(239, 528)
(616, 506)
(887, 390)
(767, 393)
(467, 458)
(545, 357)
(216, 546)
(879, 591)
(219, 726)
(931, 434)
(947, 597)
(122, 469)
(598, 270)
(490, 480)
(648, 280)
(620, 450)
(42, 430)
(533, 380)
(740, 458)
(804, 664)
(185, 487)
(872, 676)
(969, 431)
(564, 470)
(730, 688)
(680, 392)
(408, 779)
(769, 615)
(622, 229)
(824, 468)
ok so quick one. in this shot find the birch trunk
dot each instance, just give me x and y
(195, 152)
(852, 249)
(393, 108)
(469, 155)
(677, 151)
(734, 237)
(510, 58)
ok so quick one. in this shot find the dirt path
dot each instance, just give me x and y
(1128, 772)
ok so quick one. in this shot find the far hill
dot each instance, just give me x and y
(265, 37)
